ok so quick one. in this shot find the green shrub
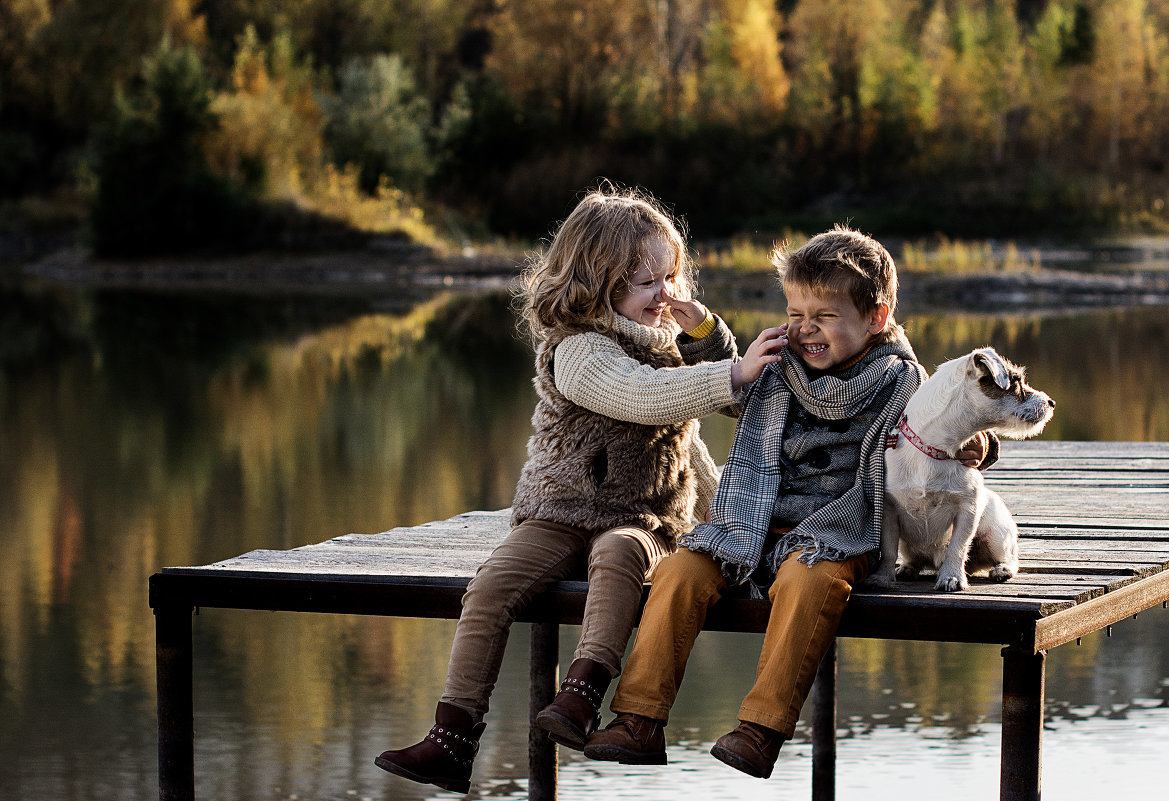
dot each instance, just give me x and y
(156, 192)
(378, 121)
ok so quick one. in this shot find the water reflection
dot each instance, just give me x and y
(140, 430)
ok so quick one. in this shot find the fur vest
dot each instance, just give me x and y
(595, 472)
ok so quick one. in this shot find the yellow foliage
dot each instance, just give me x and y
(748, 254)
(271, 125)
(947, 255)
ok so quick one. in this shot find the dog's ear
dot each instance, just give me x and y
(990, 363)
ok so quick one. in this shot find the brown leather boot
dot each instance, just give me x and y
(750, 748)
(630, 740)
(445, 757)
(575, 711)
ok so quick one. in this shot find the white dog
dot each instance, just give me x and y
(936, 508)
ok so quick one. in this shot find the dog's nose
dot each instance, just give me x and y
(1051, 402)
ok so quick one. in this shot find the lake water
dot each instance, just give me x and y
(143, 429)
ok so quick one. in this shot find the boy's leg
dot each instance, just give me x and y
(535, 554)
(685, 586)
(806, 606)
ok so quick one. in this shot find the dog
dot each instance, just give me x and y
(938, 513)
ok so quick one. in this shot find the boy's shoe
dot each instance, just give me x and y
(445, 757)
(630, 740)
(750, 748)
(575, 711)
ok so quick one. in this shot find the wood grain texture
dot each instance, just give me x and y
(1094, 526)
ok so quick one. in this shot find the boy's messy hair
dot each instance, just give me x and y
(843, 262)
(569, 288)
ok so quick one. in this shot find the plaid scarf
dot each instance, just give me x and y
(845, 527)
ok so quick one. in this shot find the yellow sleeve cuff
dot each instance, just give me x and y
(704, 328)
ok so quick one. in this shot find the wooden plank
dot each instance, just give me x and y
(1041, 541)
(1094, 552)
(1042, 466)
(1092, 569)
(1151, 537)
(1093, 503)
(1106, 481)
(1088, 571)
(1066, 625)
(1085, 451)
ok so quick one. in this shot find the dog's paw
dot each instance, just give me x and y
(907, 572)
(951, 583)
(883, 580)
(1001, 573)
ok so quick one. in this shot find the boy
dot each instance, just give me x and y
(798, 507)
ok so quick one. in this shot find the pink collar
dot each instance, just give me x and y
(921, 445)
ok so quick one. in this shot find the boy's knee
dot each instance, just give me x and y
(821, 579)
(685, 572)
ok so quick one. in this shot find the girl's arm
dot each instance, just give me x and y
(705, 337)
(592, 371)
(717, 345)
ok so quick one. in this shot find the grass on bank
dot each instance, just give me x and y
(939, 254)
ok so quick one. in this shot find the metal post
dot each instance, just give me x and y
(176, 715)
(824, 728)
(543, 657)
(1022, 746)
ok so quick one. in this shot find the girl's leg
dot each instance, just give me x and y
(619, 561)
(535, 554)
(806, 606)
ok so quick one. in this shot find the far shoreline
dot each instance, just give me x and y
(1134, 275)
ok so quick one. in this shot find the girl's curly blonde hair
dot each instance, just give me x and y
(570, 287)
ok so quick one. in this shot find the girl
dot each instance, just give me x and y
(616, 470)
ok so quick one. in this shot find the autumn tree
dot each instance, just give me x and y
(743, 80)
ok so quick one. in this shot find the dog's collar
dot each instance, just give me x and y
(918, 442)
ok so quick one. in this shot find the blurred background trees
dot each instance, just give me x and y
(426, 117)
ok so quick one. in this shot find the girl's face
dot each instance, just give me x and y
(641, 298)
(827, 329)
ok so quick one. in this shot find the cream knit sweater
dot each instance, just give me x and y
(592, 371)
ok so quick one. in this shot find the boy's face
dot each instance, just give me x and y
(641, 298)
(827, 329)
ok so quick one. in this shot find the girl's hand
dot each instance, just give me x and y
(689, 314)
(762, 352)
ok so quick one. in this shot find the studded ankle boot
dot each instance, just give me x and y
(575, 711)
(445, 757)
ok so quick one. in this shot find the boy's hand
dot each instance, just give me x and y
(762, 352)
(974, 450)
(689, 314)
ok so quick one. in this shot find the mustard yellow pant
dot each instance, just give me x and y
(806, 606)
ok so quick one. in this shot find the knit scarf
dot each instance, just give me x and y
(843, 528)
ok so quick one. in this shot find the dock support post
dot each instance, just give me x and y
(824, 728)
(176, 714)
(1022, 746)
(543, 652)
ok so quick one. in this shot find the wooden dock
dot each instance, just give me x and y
(1094, 550)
